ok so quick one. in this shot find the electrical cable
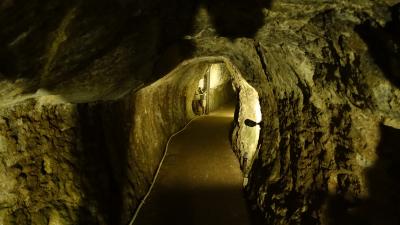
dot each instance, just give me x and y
(158, 170)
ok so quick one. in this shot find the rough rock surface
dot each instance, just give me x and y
(332, 115)
(39, 159)
(326, 73)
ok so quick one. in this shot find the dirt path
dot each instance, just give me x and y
(200, 181)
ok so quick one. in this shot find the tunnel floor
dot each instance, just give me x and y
(200, 182)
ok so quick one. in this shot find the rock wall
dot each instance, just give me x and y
(40, 161)
(65, 163)
(332, 111)
(89, 163)
(104, 153)
(326, 74)
(161, 109)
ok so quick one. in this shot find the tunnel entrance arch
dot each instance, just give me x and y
(164, 107)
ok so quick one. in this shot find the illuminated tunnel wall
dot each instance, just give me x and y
(163, 108)
(221, 89)
(114, 146)
(166, 106)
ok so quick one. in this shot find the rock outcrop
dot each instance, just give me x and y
(331, 114)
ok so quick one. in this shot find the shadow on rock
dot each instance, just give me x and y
(237, 18)
(103, 165)
(93, 30)
(384, 44)
(382, 207)
(230, 19)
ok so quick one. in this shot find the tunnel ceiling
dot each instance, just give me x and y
(326, 72)
(102, 49)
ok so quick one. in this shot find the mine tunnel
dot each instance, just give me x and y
(261, 112)
(199, 179)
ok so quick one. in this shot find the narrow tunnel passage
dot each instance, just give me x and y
(200, 181)
(91, 92)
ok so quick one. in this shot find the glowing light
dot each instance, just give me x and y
(201, 83)
(257, 109)
(215, 75)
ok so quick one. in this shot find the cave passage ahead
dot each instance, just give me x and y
(200, 177)
(200, 181)
(91, 92)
